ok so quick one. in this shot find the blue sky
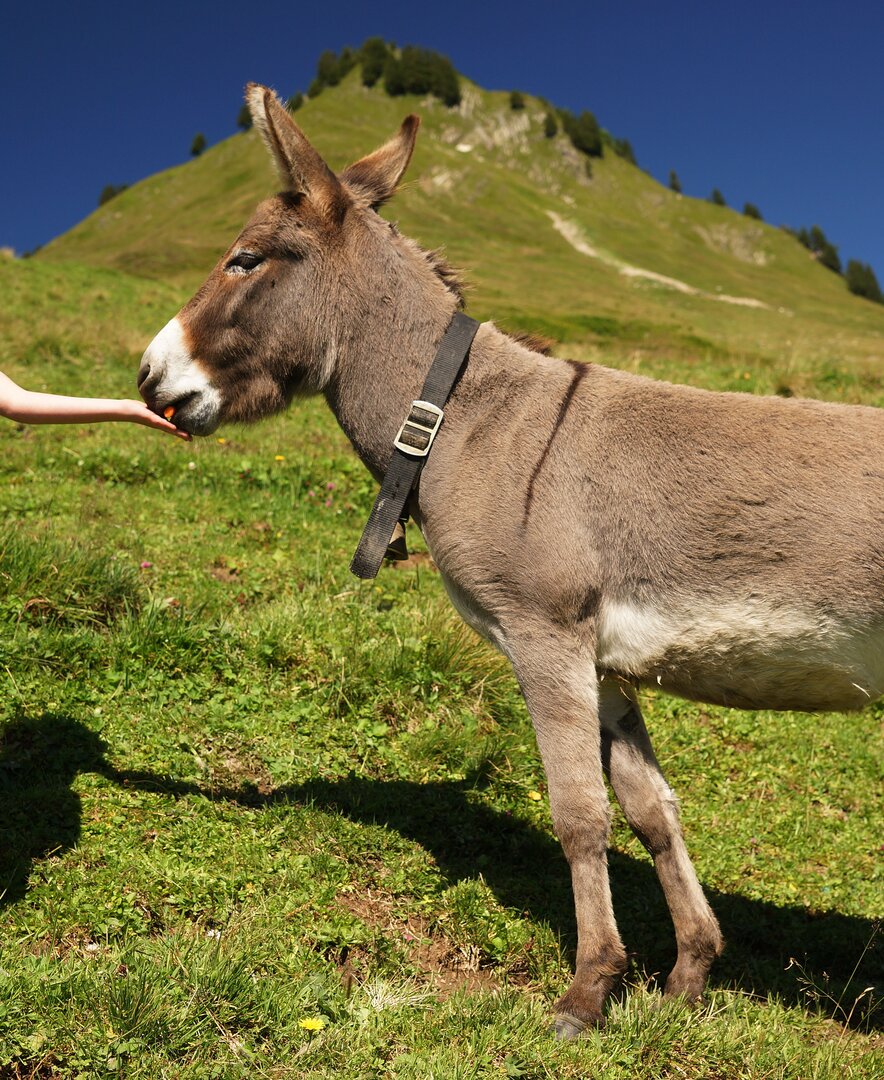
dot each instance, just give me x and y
(777, 103)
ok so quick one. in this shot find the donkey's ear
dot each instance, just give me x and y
(378, 174)
(301, 169)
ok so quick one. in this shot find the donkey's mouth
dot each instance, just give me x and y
(194, 413)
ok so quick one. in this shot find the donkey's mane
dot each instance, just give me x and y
(450, 277)
(453, 280)
(534, 342)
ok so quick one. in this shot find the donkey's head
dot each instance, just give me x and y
(301, 285)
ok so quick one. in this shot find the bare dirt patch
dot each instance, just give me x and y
(446, 966)
(33, 1069)
(744, 243)
(233, 768)
(416, 558)
(224, 570)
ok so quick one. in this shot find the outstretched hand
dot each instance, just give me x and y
(29, 407)
(139, 413)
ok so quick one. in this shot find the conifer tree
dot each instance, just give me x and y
(517, 100)
(394, 80)
(861, 281)
(110, 191)
(373, 54)
(244, 118)
(417, 70)
(583, 131)
(346, 62)
(830, 258)
(328, 69)
(446, 83)
(550, 125)
(198, 144)
(674, 182)
(752, 211)
(826, 252)
(717, 198)
(589, 135)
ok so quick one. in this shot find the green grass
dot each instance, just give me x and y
(242, 791)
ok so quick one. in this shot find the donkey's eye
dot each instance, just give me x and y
(243, 261)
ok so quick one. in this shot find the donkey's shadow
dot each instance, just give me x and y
(523, 866)
(803, 958)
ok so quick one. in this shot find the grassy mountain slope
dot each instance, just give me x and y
(518, 211)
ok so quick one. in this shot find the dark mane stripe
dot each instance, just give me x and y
(535, 342)
(447, 274)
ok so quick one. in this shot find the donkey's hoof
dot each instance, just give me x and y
(689, 990)
(567, 1026)
(685, 998)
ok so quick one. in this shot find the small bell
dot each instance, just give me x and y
(397, 549)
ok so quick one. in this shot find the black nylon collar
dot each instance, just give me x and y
(405, 464)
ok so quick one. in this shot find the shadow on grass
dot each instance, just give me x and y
(39, 812)
(522, 865)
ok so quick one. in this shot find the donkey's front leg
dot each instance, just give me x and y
(557, 676)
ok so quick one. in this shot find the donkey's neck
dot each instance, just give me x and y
(382, 370)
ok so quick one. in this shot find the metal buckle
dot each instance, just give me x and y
(419, 429)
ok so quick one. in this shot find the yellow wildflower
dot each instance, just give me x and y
(312, 1023)
(534, 796)
(279, 457)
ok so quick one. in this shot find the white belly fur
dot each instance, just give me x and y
(747, 653)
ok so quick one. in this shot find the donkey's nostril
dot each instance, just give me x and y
(148, 380)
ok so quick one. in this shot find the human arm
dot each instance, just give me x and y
(29, 407)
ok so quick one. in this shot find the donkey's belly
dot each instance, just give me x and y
(749, 655)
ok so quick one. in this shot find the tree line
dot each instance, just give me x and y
(415, 70)
(409, 70)
(858, 276)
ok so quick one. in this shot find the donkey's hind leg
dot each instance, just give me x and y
(558, 679)
(652, 812)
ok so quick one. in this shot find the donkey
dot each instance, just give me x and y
(726, 547)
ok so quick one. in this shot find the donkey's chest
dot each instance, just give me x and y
(475, 615)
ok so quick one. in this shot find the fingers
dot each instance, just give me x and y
(141, 414)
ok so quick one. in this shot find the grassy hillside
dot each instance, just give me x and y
(518, 212)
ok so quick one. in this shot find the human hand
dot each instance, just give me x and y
(139, 413)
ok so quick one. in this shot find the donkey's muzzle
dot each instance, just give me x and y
(170, 378)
